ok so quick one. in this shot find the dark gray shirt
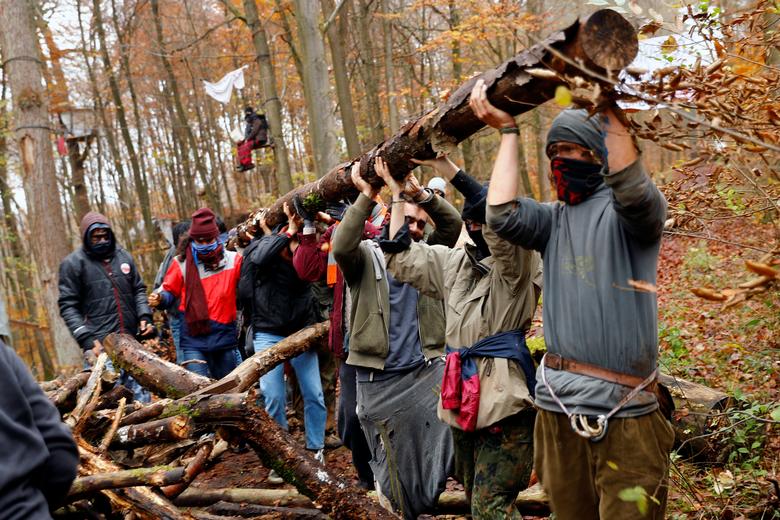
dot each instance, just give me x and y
(405, 348)
(591, 252)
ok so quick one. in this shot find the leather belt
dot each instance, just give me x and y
(556, 362)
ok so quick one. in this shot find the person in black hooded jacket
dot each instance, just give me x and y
(101, 290)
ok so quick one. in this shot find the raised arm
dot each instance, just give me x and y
(522, 221)
(638, 202)
(349, 234)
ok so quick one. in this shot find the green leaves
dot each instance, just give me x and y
(638, 495)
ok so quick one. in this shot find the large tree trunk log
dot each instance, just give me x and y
(277, 449)
(143, 502)
(176, 428)
(159, 376)
(697, 414)
(197, 497)
(157, 476)
(604, 40)
(249, 372)
(204, 409)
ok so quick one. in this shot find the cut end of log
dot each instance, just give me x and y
(609, 40)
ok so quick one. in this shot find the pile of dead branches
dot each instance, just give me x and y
(140, 459)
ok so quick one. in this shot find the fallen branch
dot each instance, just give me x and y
(154, 373)
(193, 469)
(108, 437)
(198, 497)
(156, 476)
(62, 395)
(176, 428)
(87, 400)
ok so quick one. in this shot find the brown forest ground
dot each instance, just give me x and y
(735, 350)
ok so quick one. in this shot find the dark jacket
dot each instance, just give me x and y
(38, 458)
(98, 297)
(281, 302)
(256, 127)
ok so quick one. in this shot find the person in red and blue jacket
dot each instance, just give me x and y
(208, 301)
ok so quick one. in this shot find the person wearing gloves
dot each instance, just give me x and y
(490, 298)
(599, 429)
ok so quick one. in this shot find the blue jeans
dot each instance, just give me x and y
(174, 321)
(218, 363)
(140, 393)
(307, 370)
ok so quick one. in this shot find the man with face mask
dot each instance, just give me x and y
(599, 429)
(487, 389)
(102, 292)
(203, 279)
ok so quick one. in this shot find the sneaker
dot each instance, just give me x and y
(274, 478)
(332, 442)
(319, 455)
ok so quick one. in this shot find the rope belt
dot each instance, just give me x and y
(580, 422)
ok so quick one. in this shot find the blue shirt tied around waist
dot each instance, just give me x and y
(460, 387)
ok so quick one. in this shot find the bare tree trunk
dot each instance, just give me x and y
(272, 104)
(368, 71)
(536, 7)
(387, 33)
(336, 32)
(322, 124)
(603, 40)
(22, 64)
(141, 189)
(212, 192)
(457, 75)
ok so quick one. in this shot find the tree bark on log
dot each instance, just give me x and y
(696, 415)
(111, 398)
(61, 396)
(204, 409)
(142, 501)
(277, 513)
(87, 399)
(155, 374)
(529, 501)
(171, 429)
(199, 497)
(193, 468)
(603, 41)
(277, 449)
(147, 413)
(156, 476)
(249, 372)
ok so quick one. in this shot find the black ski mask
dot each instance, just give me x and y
(474, 211)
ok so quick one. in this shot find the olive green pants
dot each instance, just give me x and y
(494, 465)
(584, 479)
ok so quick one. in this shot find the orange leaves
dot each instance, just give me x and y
(708, 294)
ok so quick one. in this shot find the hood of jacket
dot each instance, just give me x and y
(89, 220)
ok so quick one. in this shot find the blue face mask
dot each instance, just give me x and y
(204, 249)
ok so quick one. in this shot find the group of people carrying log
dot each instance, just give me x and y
(436, 380)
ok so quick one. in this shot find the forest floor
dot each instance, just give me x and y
(735, 350)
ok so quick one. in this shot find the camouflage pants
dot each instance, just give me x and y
(494, 464)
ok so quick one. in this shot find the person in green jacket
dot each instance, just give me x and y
(396, 340)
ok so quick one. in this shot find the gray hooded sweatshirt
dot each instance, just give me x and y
(591, 251)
